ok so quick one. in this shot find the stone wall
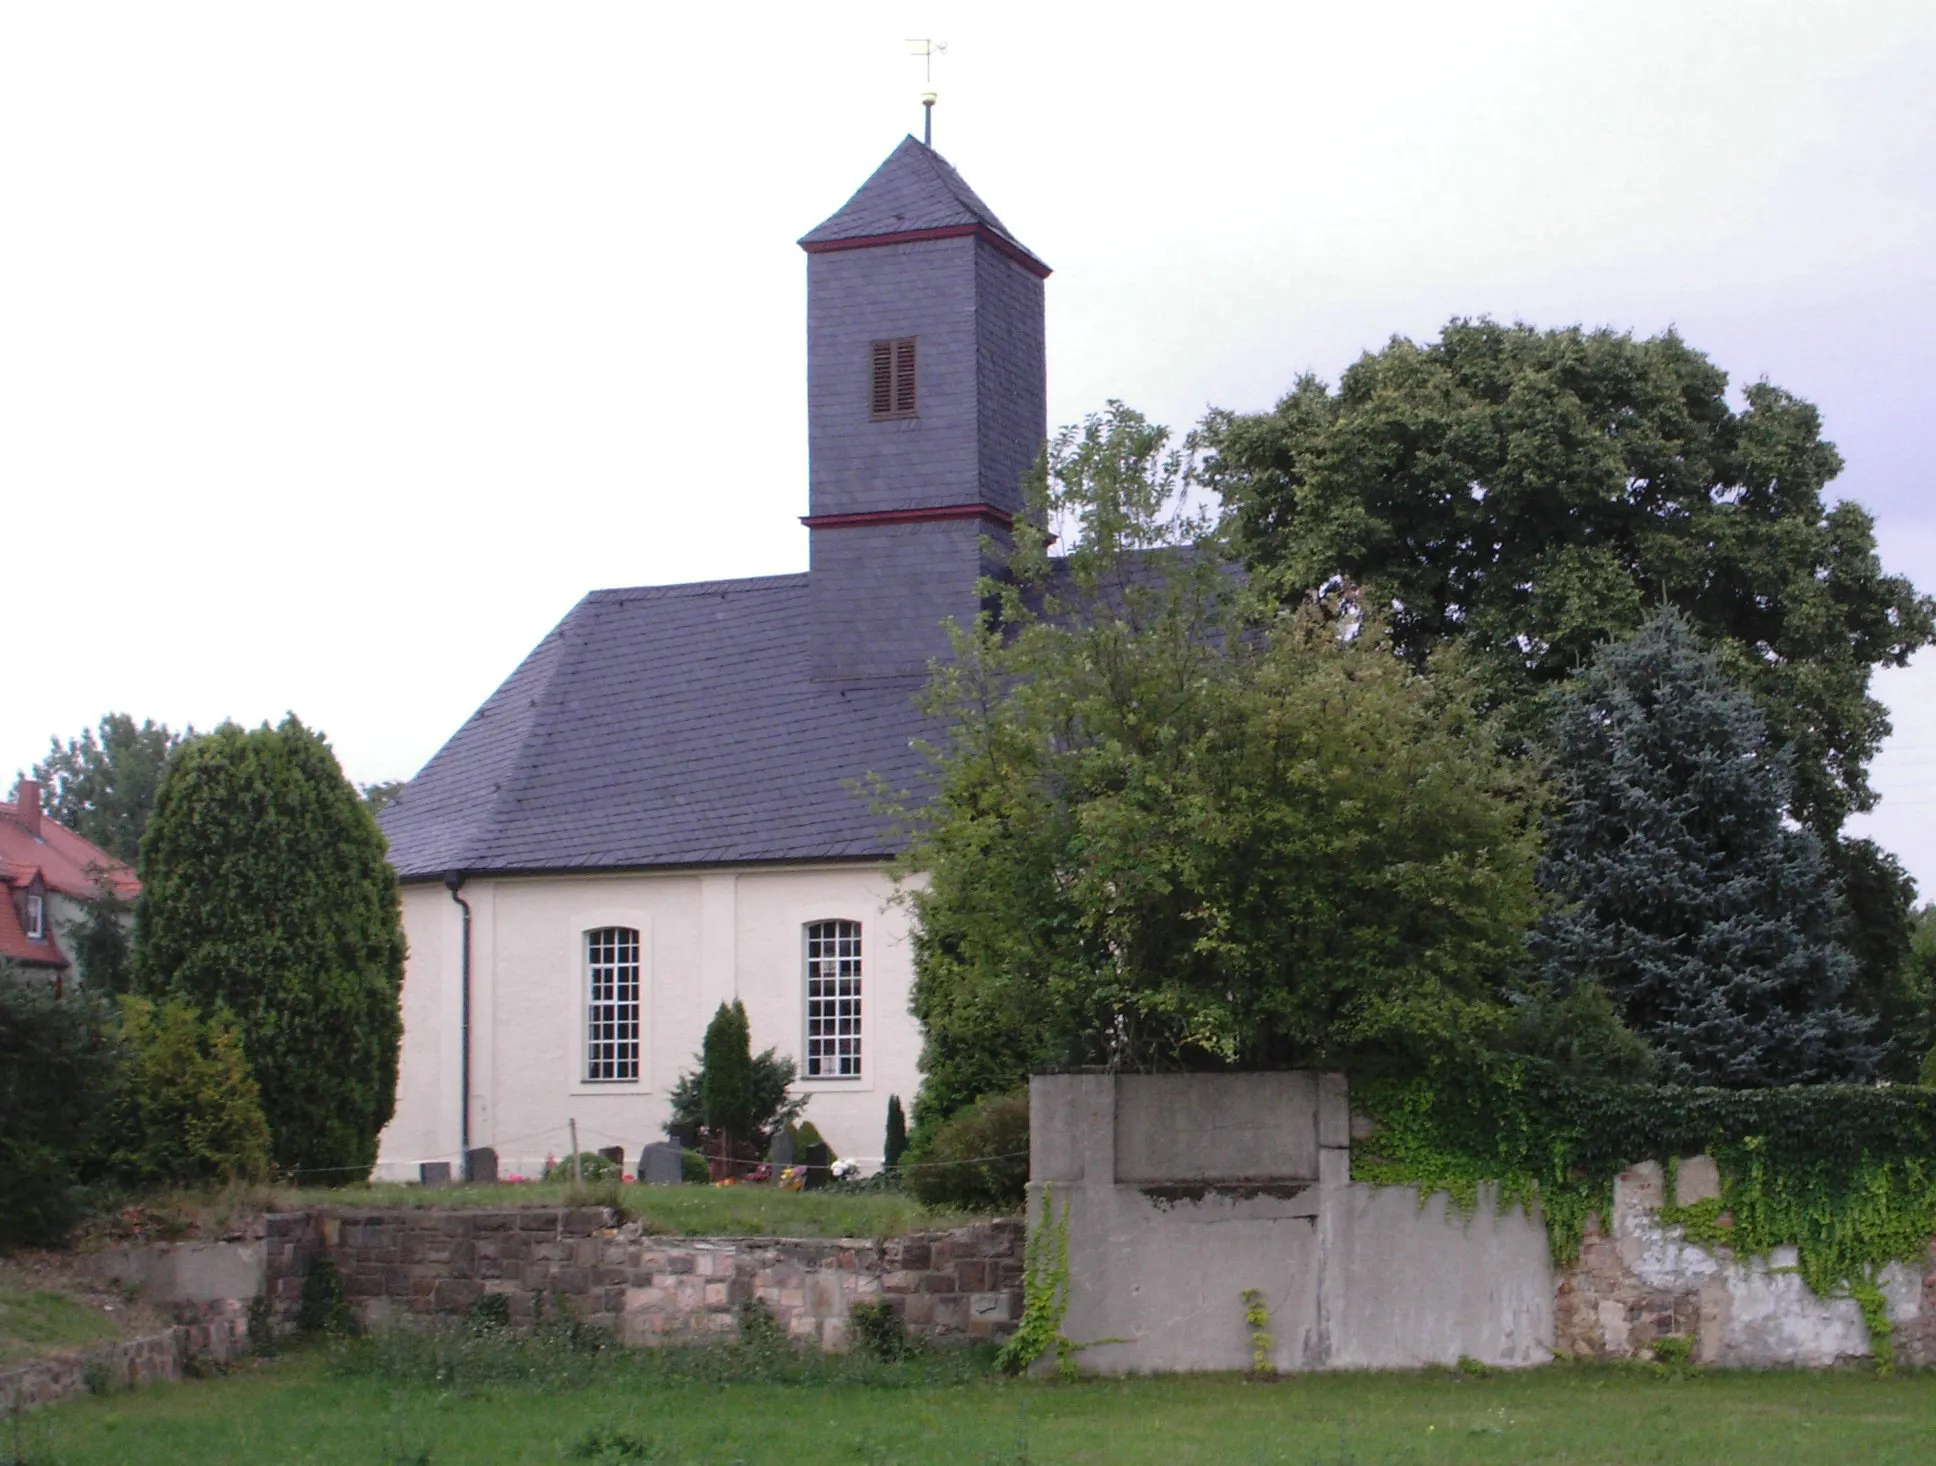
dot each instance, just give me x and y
(401, 1263)
(215, 1332)
(1639, 1281)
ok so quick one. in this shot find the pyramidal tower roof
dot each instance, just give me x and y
(914, 192)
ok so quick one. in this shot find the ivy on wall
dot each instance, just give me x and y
(1845, 1174)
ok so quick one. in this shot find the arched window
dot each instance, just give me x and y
(612, 1003)
(833, 1000)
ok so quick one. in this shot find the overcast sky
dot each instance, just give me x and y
(342, 347)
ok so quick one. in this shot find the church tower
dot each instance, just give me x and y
(927, 401)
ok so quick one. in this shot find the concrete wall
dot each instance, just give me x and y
(1183, 1191)
(706, 937)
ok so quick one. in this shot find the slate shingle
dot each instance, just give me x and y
(668, 725)
(914, 189)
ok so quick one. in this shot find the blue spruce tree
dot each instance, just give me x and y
(1709, 921)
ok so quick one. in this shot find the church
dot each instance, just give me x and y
(658, 811)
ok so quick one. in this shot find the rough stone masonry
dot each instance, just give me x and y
(399, 1263)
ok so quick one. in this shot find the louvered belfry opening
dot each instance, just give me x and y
(893, 378)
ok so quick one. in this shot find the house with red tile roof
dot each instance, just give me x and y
(51, 878)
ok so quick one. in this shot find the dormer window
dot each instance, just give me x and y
(36, 917)
(893, 379)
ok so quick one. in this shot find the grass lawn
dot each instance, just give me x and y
(692, 1211)
(37, 1321)
(304, 1409)
(698, 1211)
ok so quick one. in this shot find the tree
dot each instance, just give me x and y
(101, 942)
(895, 1145)
(186, 1111)
(379, 794)
(103, 787)
(1709, 922)
(1530, 494)
(726, 1080)
(267, 894)
(773, 1107)
(1889, 986)
(1173, 826)
(57, 1064)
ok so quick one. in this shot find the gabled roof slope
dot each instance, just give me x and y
(914, 190)
(669, 725)
(70, 864)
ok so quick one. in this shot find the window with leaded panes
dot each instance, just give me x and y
(833, 1000)
(612, 1004)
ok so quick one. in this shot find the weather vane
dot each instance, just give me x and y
(927, 50)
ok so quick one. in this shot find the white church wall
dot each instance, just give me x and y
(705, 938)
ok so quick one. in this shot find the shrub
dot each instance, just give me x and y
(693, 1168)
(805, 1134)
(774, 1109)
(492, 1312)
(879, 1331)
(978, 1160)
(897, 1136)
(325, 1308)
(592, 1167)
(57, 1065)
(186, 1110)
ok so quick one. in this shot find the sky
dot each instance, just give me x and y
(342, 348)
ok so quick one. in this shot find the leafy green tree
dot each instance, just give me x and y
(267, 894)
(1530, 494)
(1710, 923)
(57, 1070)
(1889, 986)
(379, 794)
(102, 942)
(103, 786)
(186, 1111)
(1920, 973)
(1173, 826)
(726, 1079)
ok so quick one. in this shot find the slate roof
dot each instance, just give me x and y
(667, 725)
(915, 189)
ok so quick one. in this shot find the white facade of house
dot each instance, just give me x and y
(706, 937)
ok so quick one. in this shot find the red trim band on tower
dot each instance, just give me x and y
(915, 236)
(928, 515)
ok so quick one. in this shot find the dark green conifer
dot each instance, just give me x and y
(726, 1078)
(267, 893)
(1708, 920)
(896, 1145)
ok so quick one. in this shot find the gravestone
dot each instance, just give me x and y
(660, 1164)
(616, 1155)
(818, 1159)
(782, 1152)
(434, 1173)
(480, 1166)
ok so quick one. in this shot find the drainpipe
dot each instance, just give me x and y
(453, 880)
